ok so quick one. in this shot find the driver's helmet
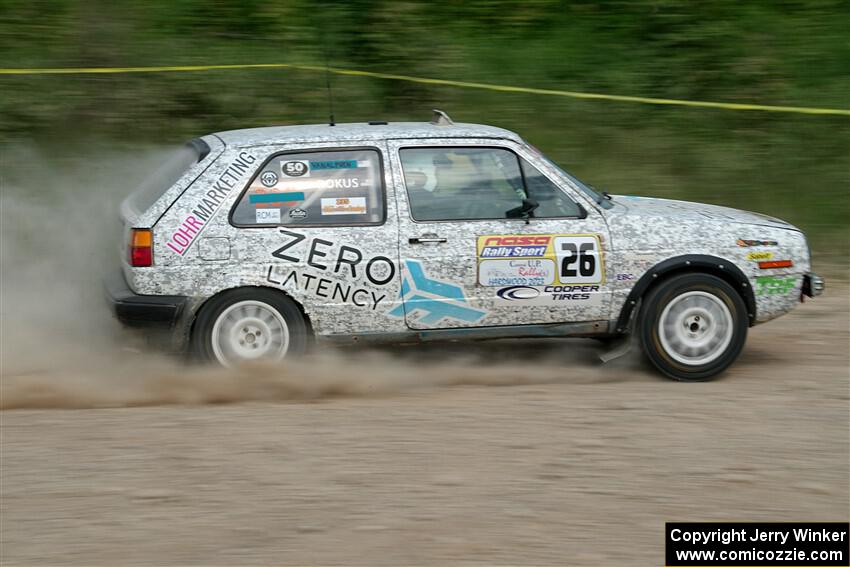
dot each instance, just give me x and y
(421, 175)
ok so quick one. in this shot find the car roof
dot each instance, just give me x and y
(359, 131)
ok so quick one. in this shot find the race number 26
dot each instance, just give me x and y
(578, 259)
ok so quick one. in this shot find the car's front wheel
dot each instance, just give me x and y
(249, 324)
(693, 326)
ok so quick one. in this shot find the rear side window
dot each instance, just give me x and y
(167, 174)
(332, 187)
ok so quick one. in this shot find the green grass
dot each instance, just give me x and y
(796, 167)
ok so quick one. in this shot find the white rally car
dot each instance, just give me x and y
(252, 243)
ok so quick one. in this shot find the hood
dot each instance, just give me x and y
(684, 209)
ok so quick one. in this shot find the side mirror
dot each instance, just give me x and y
(523, 211)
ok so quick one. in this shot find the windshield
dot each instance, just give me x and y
(166, 175)
(598, 198)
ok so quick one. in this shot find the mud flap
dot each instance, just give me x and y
(623, 345)
(621, 348)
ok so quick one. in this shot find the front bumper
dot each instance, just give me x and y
(142, 310)
(813, 285)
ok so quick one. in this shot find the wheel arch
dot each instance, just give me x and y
(689, 263)
(192, 314)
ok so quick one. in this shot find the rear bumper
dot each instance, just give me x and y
(142, 310)
(813, 285)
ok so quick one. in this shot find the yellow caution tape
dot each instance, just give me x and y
(427, 81)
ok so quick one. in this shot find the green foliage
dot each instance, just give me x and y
(770, 52)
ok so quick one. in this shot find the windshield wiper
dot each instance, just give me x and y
(600, 195)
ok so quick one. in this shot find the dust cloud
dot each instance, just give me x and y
(158, 381)
(60, 348)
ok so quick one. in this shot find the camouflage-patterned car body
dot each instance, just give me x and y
(415, 290)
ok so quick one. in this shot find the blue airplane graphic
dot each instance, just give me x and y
(438, 300)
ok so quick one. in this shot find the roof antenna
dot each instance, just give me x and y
(328, 84)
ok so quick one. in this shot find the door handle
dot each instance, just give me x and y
(426, 239)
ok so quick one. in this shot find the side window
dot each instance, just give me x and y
(468, 183)
(338, 187)
(455, 183)
(552, 200)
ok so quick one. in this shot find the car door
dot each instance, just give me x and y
(317, 221)
(473, 255)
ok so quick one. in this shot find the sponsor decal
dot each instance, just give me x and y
(775, 285)
(429, 301)
(268, 216)
(522, 271)
(512, 246)
(379, 270)
(760, 256)
(747, 243)
(331, 271)
(192, 225)
(268, 178)
(279, 199)
(344, 206)
(325, 288)
(295, 168)
(518, 293)
(770, 265)
(625, 277)
(297, 214)
(316, 183)
(341, 183)
(334, 164)
(575, 258)
(550, 295)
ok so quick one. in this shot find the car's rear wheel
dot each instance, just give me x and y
(693, 326)
(249, 324)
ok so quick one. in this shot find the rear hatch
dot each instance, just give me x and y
(146, 204)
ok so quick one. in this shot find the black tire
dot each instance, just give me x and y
(672, 351)
(201, 342)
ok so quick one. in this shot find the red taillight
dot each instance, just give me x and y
(141, 247)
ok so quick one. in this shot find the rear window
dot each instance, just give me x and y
(167, 174)
(331, 187)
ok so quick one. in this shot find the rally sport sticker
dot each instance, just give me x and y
(539, 259)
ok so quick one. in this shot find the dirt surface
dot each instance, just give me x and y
(390, 459)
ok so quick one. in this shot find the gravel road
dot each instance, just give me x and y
(525, 453)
